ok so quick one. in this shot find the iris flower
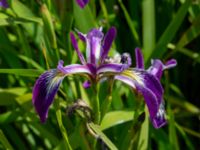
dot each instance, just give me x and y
(98, 66)
(94, 67)
(82, 3)
(147, 82)
(4, 3)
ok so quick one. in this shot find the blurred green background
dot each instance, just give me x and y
(34, 35)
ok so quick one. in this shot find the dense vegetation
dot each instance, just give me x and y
(35, 35)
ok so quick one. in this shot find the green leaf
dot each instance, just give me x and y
(22, 72)
(4, 141)
(98, 131)
(31, 62)
(84, 19)
(190, 34)
(115, 118)
(171, 30)
(24, 12)
(144, 133)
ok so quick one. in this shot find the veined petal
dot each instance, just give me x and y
(72, 69)
(111, 68)
(75, 45)
(93, 45)
(170, 64)
(45, 90)
(82, 3)
(159, 120)
(152, 83)
(109, 38)
(145, 83)
(158, 67)
(4, 3)
(139, 58)
(126, 80)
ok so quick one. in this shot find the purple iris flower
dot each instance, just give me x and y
(82, 3)
(96, 67)
(147, 82)
(4, 3)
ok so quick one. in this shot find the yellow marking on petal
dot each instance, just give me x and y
(133, 75)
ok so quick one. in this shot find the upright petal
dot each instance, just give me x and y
(93, 41)
(45, 90)
(75, 45)
(139, 58)
(4, 3)
(109, 38)
(82, 3)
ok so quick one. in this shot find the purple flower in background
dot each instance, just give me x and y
(96, 67)
(147, 82)
(82, 3)
(4, 3)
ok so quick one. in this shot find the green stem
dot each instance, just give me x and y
(107, 102)
(96, 107)
(61, 126)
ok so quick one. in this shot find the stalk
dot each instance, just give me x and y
(61, 126)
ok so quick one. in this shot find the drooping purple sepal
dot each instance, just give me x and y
(82, 3)
(4, 3)
(44, 92)
(159, 120)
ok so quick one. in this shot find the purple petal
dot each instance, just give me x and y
(75, 45)
(170, 64)
(159, 120)
(82, 3)
(126, 80)
(44, 92)
(87, 84)
(139, 58)
(4, 3)
(109, 38)
(111, 68)
(93, 41)
(150, 99)
(156, 68)
(152, 83)
(147, 84)
(72, 69)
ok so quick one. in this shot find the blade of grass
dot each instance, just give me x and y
(130, 23)
(4, 141)
(171, 30)
(98, 131)
(148, 21)
(22, 72)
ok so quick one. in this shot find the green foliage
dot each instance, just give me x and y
(34, 35)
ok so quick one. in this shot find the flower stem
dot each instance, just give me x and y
(61, 126)
(107, 102)
(96, 108)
